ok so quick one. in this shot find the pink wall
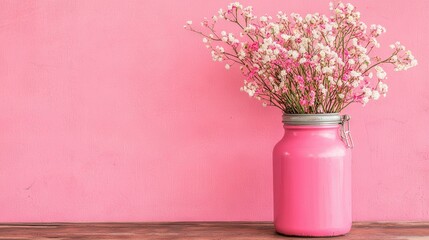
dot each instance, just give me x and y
(110, 111)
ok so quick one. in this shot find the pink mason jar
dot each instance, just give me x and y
(312, 176)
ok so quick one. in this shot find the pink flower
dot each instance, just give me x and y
(301, 68)
(254, 46)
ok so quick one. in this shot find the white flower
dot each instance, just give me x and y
(283, 73)
(302, 60)
(375, 95)
(351, 61)
(235, 4)
(365, 100)
(318, 69)
(205, 40)
(351, 20)
(249, 87)
(341, 95)
(294, 54)
(268, 41)
(382, 87)
(227, 66)
(363, 67)
(221, 13)
(223, 33)
(375, 42)
(315, 58)
(285, 36)
(241, 54)
(189, 22)
(367, 91)
(350, 7)
(355, 74)
(381, 74)
(263, 19)
(276, 51)
(316, 34)
(266, 59)
(247, 12)
(328, 70)
(249, 28)
(231, 37)
(275, 28)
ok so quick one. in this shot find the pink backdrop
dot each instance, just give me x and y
(110, 111)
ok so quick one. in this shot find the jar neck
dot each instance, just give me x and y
(311, 127)
(331, 131)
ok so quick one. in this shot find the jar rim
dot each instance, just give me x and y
(312, 119)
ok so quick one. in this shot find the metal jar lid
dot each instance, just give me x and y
(323, 119)
(312, 119)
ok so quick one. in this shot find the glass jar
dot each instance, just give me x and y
(312, 176)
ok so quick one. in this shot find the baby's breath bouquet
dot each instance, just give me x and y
(303, 65)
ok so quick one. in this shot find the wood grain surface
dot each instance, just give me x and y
(201, 230)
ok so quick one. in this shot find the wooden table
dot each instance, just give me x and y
(200, 230)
